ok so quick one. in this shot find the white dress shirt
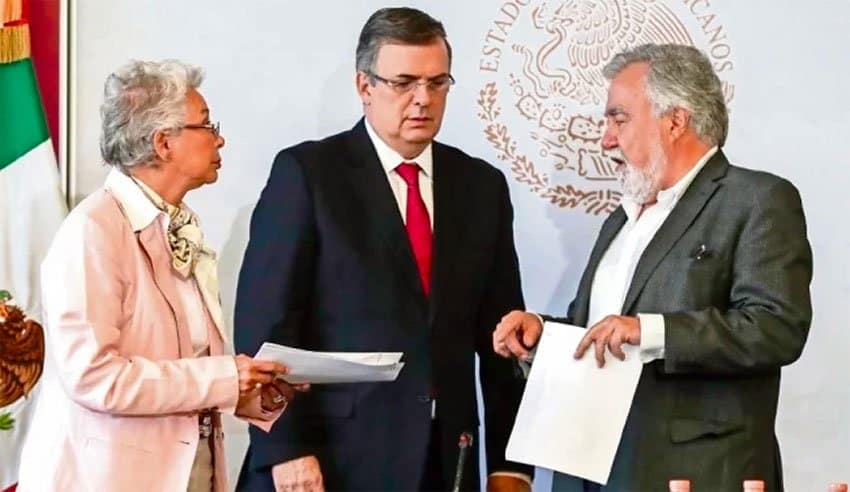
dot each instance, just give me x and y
(141, 212)
(390, 159)
(617, 267)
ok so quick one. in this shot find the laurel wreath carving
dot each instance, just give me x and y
(522, 168)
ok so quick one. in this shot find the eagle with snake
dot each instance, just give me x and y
(21, 352)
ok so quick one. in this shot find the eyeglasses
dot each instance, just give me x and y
(437, 84)
(214, 128)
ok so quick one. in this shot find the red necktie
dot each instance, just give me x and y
(418, 223)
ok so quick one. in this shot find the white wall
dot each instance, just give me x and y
(279, 72)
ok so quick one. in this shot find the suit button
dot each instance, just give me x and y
(423, 399)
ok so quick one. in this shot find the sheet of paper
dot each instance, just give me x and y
(306, 366)
(572, 413)
(368, 358)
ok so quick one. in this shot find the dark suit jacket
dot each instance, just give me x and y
(733, 317)
(329, 267)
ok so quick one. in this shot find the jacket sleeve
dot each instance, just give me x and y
(502, 384)
(83, 292)
(767, 321)
(567, 320)
(274, 290)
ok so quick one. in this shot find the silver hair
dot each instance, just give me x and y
(680, 76)
(140, 98)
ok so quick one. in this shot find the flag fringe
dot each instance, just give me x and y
(14, 43)
(10, 10)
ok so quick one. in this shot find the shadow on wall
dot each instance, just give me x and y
(577, 232)
(230, 261)
(339, 106)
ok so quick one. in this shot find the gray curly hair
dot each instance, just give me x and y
(140, 98)
(680, 76)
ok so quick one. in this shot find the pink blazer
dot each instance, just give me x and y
(119, 396)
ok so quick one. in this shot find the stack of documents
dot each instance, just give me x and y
(306, 366)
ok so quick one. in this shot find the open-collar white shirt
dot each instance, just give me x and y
(617, 267)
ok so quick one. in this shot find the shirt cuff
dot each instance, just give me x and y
(522, 476)
(651, 337)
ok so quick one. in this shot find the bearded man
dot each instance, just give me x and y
(705, 266)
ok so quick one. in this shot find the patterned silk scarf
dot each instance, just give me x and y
(185, 239)
(189, 255)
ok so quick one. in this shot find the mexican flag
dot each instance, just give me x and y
(31, 209)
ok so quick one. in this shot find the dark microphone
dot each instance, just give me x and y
(463, 444)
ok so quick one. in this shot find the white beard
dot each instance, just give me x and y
(641, 185)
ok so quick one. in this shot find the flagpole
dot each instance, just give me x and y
(67, 100)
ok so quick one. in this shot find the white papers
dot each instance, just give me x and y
(333, 367)
(572, 413)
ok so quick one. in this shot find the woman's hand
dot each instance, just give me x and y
(253, 376)
(279, 393)
(261, 378)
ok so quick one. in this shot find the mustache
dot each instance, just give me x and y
(616, 156)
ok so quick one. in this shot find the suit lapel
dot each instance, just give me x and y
(380, 209)
(448, 225)
(680, 219)
(610, 228)
(153, 243)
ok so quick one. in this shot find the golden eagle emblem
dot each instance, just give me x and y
(21, 352)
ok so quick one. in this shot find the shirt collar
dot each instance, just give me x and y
(140, 211)
(390, 159)
(138, 200)
(667, 199)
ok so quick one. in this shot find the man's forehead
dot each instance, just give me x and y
(631, 79)
(619, 99)
(633, 71)
(627, 91)
(413, 59)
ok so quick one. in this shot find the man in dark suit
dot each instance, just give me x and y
(379, 239)
(705, 266)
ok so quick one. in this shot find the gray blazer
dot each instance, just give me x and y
(730, 270)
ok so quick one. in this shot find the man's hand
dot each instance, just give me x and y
(298, 475)
(507, 483)
(611, 332)
(518, 332)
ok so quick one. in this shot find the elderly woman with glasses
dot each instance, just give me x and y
(136, 375)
